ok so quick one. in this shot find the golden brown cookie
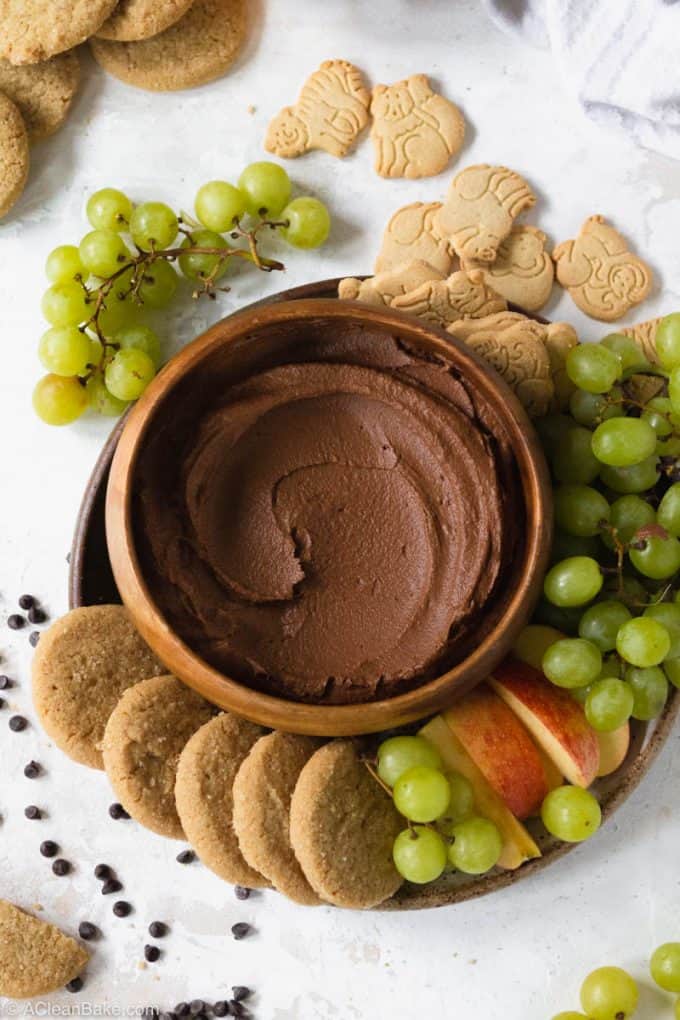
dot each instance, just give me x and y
(144, 737)
(203, 794)
(644, 334)
(385, 287)
(14, 157)
(43, 92)
(83, 664)
(522, 272)
(263, 788)
(461, 295)
(415, 131)
(342, 829)
(498, 321)
(33, 30)
(331, 112)
(480, 208)
(411, 236)
(602, 275)
(37, 958)
(198, 48)
(140, 19)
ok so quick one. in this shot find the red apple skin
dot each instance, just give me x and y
(555, 720)
(502, 749)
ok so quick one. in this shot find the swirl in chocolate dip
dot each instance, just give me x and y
(334, 525)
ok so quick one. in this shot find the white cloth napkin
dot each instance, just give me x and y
(621, 59)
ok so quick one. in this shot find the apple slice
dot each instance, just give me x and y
(555, 720)
(518, 846)
(613, 749)
(501, 748)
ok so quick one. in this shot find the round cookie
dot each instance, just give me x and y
(263, 788)
(31, 33)
(140, 19)
(203, 794)
(37, 958)
(43, 92)
(83, 664)
(342, 829)
(14, 157)
(143, 740)
(195, 50)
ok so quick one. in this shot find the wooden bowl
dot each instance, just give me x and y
(229, 351)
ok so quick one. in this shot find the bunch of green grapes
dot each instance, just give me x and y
(443, 829)
(97, 351)
(613, 587)
(610, 993)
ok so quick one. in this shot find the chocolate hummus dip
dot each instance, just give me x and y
(330, 523)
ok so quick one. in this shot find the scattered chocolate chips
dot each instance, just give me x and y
(18, 723)
(122, 908)
(242, 892)
(241, 930)
(151, 953)
(88, 931)
(158, 929)
(237, 1009)
(182, 1009)
(186, 857)
(36, 615)
(15, 621)
(197, 1006)
(241, 992)
(102, 872)
(117, 811)
(221, 1008)
(61, 867)
(32, 770)
(5, 683)
(26, 602)
(33, 638)
(112, 885)
(75, 985)
(49, 848)
(33, 812)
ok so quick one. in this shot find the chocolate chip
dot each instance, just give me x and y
(33, 812)
(158, 930)
(240, 930)
(197, 1006)
(49, 848)
(26, 602)
(112, 885)
(32, 770)
(5, 683)
(151, 953)
(36, 615)
(182, 1009)
(117, 811)
(221, 1008)
(33, 638)
(15, 622)
(122, 908)
(88, 931)
(75, 985)
(241, 992)
(2, 702)
(186, 857)
(102, 872)
(61, 867)
(236, 1009)
(242, 893)
(18, 723)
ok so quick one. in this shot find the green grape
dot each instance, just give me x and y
(669, 447)
(573, 459)
(116, 312)
(609, 993)
(674, 389)
(266, 188)
(658, 558)
(102, 252)
(580, 509)
(421, 793)
(650, 691)
(95, 355)
(101, 401)
(399, 754)
(570, 1014)
(461, 803)
(626, 350)
(600, 623)
(153, 225)
(59, 399)
(573, 581)
(593, 368)
(626, 589)
(533, 642)
(129, 373)
(141, 338)
(643, 642)
(561, 618)
(668, 512)
(628, 514)
(65, 304)
(671, 668)
(309, 223)
(109, 209)
(64, 350)
(664, 965)
(609, 704)
(592, 408)
(199, 267)
(676, 1011)
(477, 846)
(219, 206)
(638, 478)
(667, 341)
(668, 614)
(419, 854)
(158, 285)
(571, 814)
(564, 546)
(658, 413)
(572, 662)
(63, 264)
(624, 442)
(552, 428)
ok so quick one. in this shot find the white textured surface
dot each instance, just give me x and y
(520, 954)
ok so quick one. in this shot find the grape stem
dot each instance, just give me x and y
(371, 768)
